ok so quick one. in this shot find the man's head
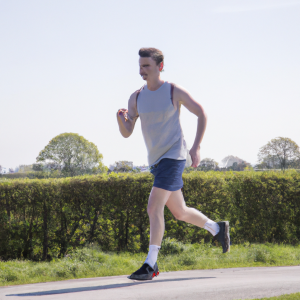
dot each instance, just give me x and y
(151, 62)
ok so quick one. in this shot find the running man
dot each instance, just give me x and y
(157, 104)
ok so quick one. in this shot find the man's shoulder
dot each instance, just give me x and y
(132, 102)
(179, 90)
(135, 93)
(177, 86)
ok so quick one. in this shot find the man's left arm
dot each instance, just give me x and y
(184, 98)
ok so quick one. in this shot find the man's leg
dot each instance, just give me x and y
(175, 202)
(155, 209)
(156, 204)
(181, 212)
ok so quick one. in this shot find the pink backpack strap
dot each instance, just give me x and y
(138, 92)
(137, 95)
(172, 92)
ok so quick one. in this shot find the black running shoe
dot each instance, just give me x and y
(223, 236)
(145, 272)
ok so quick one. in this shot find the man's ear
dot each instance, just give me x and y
(161, 66)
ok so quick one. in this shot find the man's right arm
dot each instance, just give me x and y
(126, 126)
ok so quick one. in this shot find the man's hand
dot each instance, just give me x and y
(127, 118)
(125, 122)
(123, 112)
(195, 155)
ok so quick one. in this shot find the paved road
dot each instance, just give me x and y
(221, 284)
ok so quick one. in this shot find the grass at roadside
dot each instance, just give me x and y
(295, 296)
(174, 256)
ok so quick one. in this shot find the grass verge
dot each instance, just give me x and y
(295, 296)
(174, 256)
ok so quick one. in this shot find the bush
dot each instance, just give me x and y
(171, 246)
(41, 219)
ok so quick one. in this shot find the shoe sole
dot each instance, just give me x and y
(143, 277)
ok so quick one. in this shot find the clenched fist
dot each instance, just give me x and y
(124, 112)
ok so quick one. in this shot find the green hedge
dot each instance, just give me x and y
(29, 175)
(46, 218)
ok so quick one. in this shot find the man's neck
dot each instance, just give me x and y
(154, 85)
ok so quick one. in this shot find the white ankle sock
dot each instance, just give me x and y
(152, 255)
(212, 227)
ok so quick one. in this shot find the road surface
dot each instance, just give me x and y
(218, 284)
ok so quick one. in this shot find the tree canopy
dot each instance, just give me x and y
(72, 155)
(123, 166)
(207, 164)
(280, 153)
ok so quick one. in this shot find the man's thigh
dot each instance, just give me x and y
(176, 203)
(158, 198)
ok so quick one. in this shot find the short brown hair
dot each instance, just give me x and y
(154, 53)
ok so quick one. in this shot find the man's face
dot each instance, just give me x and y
(148, 68)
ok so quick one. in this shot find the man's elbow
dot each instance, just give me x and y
(126, 134)
(202, 115)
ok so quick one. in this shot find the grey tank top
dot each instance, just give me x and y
(161, 124)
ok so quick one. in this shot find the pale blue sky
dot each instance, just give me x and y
(67, 66)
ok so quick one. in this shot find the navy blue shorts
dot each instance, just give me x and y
(168, 174)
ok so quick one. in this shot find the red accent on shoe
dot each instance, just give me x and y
(153, 274)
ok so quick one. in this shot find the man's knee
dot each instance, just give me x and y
(150, 210)
(180, 214)
(153, 210)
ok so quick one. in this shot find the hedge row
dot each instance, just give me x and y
(30, 175)
(46, 218)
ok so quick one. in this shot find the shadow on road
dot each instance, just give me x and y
(102, 287)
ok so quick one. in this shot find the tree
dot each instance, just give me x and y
(296, 164)
(241, 166)
(37, 167)
(122, 166)
(228, 162)
(24, 168)
(207, 164)
(279, 153)
(72, 154)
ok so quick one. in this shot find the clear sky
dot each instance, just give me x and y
(68, 66)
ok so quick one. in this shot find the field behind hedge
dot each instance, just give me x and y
(42, 219)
